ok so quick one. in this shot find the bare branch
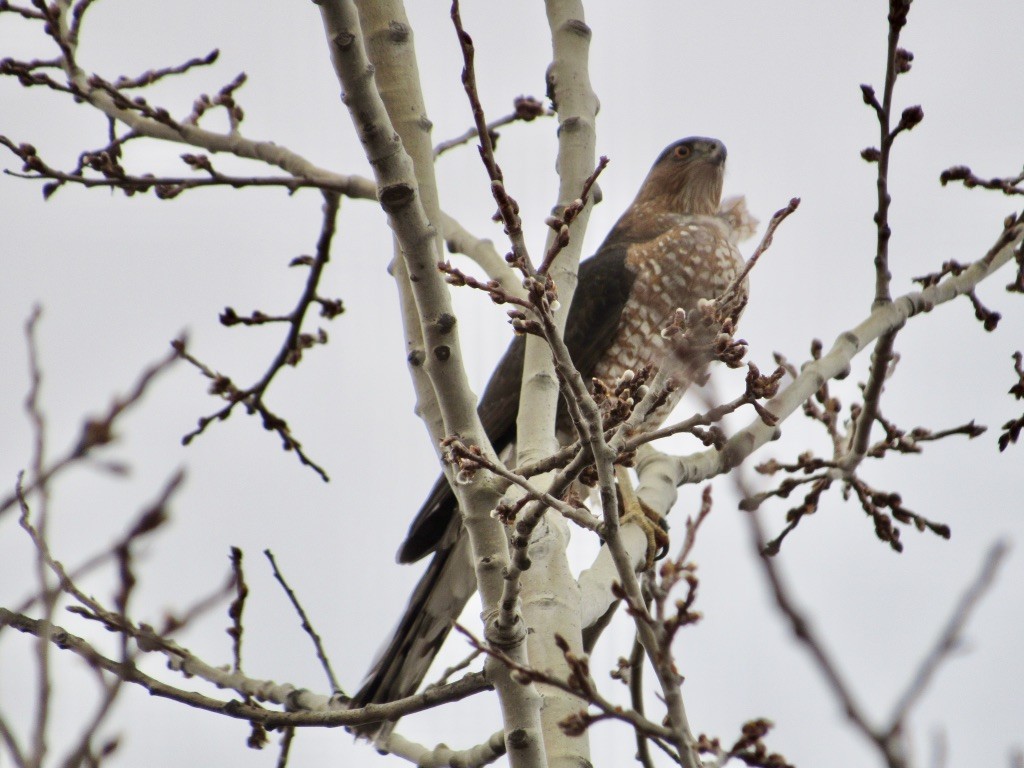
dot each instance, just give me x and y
(9, 739)
(527, 109)
(27, 13)
(164, 187)
(580, 684)
(286, 747)
(636, 697)
(897, 63)
(467, 459)
(290, 352)
(153, 75)
(484, 254)
(508, 208)
(443, 756)
(1013, 428)
(804, 631)
(881, 359)
(769, 235)
(450, 671)
(948, 639)
(237, 607)
(307, 626)
(702, 466)
(442, 361)
(96, 432)
(1008, 186)
(311, 710)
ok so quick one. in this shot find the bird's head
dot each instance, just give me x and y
(686, 177)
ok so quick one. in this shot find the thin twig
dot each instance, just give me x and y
(78, 754)
(33, 408)
(153, 517)
(10, 740)
(889, 740)
(897, 62)
(447, 674)
(949, 638)
(286, 746)
(636, 698)
(464, 459)
(1008, 186)
(8, 7)
(96, 431)
(580, 685)
(881, 358)
(769, 235)
(801, 625)
(507, 207)
(334, 712)
(289, 352)
(237, 607)
(153, 75)
(527, 109)
(307, 625)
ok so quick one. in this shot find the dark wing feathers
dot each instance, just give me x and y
(442, 592)
(497, 410)
(603, 289)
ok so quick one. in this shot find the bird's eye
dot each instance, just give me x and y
(683, 151)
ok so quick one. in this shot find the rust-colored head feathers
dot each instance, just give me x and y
(686, 178)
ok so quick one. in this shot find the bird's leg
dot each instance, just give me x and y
(636, 511)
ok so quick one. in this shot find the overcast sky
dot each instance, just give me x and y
(778, 83)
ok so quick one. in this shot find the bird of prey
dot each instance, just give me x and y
(668, 250)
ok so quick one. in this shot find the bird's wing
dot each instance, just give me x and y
(498, 408)
(602, 292)
(449, 581)
(604, 286)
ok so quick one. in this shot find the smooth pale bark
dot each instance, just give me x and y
(389, 46)
(551, 596)
(419, 245)
(443, 756)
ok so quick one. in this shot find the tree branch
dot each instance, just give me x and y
(443, 756)
(443, 360)
(836, 363)
(309, 710)
(96, 432)
(897, 63)
(948, 639)
(307, 625)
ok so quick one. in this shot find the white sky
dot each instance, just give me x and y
(778, 83)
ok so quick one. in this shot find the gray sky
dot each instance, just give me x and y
(778, 83)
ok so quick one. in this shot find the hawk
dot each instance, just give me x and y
(668, 250)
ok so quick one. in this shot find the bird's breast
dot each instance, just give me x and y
(693, 259)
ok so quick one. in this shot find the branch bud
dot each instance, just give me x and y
(911, 117)
(903, 59)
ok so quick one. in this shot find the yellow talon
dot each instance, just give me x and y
(633, 510)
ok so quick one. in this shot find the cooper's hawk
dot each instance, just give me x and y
(668, 250)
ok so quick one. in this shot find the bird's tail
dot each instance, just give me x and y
(439, 597)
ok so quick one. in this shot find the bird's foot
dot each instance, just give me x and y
(654, 526)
